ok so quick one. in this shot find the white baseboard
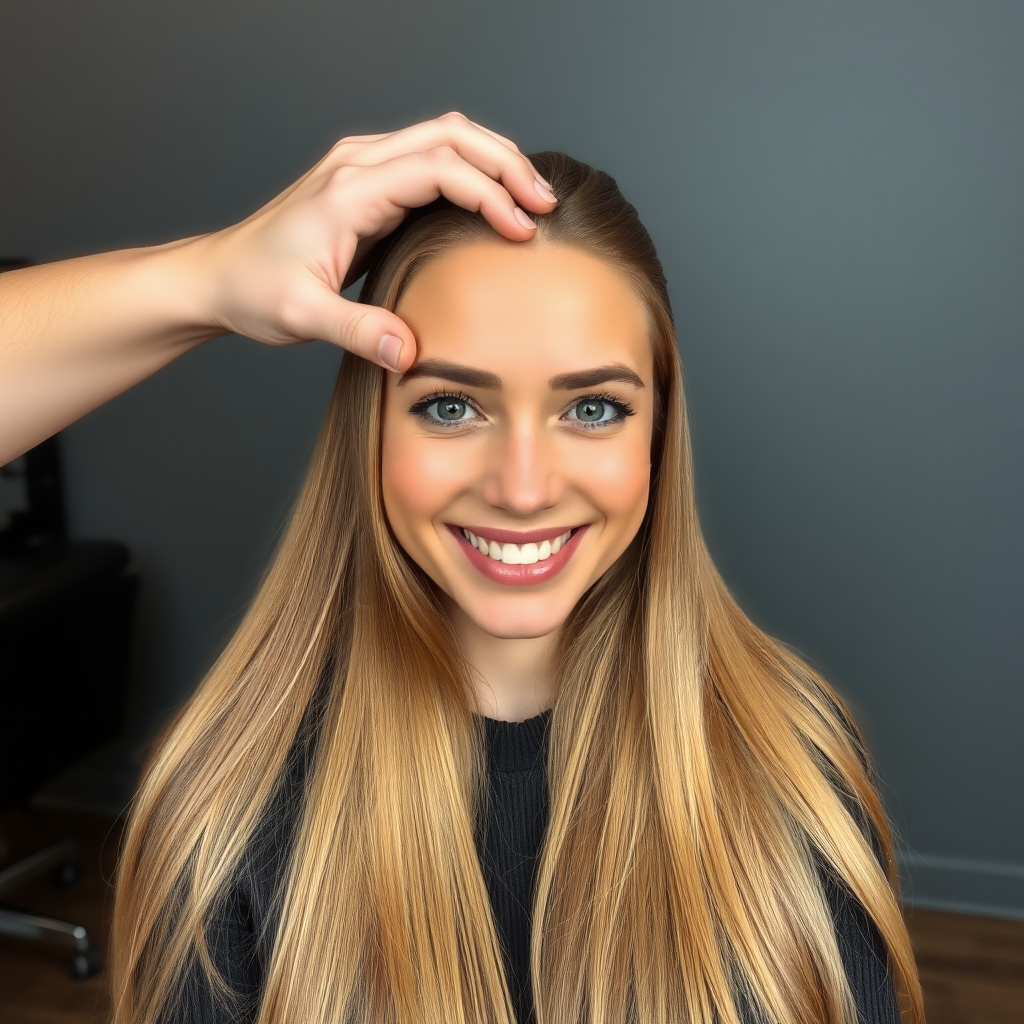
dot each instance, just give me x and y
(963, 885)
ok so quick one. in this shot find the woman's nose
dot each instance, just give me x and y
(523, 476)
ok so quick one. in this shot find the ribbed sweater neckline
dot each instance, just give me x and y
(517, 746)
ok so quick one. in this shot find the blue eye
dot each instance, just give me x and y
(449, 409)
(597, 410)
(591, 410)
(444, 410)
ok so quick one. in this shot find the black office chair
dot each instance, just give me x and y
(66, 612)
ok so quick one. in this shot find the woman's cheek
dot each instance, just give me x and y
(419, 479)
(616, 478)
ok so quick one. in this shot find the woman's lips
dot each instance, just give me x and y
(518, 575)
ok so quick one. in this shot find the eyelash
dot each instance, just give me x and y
(623, 409)
(420, 407)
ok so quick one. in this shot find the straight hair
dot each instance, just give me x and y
(705, 782)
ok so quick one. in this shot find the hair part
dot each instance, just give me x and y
(704, 780)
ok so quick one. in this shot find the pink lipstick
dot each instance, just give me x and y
(518, 558)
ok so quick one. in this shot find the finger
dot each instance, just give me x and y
(511, 145)
(368, 331)
(364, 138)
(419, 178)
(477, 145)
(383, 135)
(501, 138)
(328, 162)
(422, 135)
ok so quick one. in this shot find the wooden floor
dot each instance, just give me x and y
(972, 968)
(35, 986)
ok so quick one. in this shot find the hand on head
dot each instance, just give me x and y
(276, 276)
(78, 332)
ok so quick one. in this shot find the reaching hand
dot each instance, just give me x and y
(76, 333)
(276, 276)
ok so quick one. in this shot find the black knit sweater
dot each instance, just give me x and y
(508, 842)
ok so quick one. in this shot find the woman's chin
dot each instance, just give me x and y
(522, 632)
(513, 622)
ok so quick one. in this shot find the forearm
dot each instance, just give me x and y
(76, 333)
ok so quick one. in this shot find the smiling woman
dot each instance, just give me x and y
(544, 453)
(506, 532)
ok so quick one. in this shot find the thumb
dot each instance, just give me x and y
(368, 331)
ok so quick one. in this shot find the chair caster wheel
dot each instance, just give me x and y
(84, 965)
(66, 875)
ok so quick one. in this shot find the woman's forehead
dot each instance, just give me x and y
(528, 306)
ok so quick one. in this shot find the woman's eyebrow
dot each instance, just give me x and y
(472, 377)
(591, 378)
(455, 372)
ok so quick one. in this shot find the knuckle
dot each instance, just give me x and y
(340, 179)
(443, 154)
(343, 146)
(454, 117)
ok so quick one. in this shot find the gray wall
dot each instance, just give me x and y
(836, 191)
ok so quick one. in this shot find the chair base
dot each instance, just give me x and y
(62, 859)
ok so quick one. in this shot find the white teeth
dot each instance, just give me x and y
(517, 554)
(510, 554)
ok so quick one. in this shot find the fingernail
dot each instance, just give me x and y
(389, 351)
(523, 218)
(544, 192)
(543, 181)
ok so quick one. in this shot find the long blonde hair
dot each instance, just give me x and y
(703, 779)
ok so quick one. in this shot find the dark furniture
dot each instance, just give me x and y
(66, 611)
